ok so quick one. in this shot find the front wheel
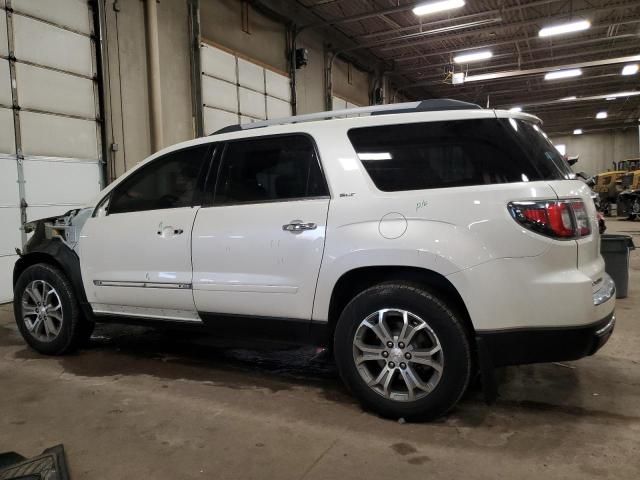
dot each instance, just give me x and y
(47, 311)
(403, 352)
(635, 209)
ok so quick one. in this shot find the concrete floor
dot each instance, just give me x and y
(145, 404)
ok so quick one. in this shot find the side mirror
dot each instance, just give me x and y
(573, 160)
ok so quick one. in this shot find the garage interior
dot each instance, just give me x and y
(90, 88)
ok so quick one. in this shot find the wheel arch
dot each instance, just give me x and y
(55, 253)
(354, 281)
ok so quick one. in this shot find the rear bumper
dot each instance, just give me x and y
(539, 345)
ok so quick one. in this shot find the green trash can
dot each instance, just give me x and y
(615, 250)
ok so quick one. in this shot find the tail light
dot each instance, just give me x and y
(561, 219)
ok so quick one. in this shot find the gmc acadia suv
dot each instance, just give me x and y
(421, 242)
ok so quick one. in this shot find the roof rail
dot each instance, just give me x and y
(433, 105)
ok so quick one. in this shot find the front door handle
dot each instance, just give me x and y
(298, 226)
(168, 230)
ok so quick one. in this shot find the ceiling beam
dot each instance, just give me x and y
(513, 25)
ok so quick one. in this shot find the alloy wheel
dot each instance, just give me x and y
(42, 310)
(398, 355)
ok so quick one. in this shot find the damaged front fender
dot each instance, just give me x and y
(54, 241)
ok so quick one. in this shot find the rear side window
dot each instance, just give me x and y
(167, 182)
(269, 169)
(458, 153)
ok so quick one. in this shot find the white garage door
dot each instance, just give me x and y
(49, 133)
(236, 90)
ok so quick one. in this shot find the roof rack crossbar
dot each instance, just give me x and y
(420, 106)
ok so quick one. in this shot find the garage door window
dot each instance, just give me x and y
(168, 182)
(269, 169)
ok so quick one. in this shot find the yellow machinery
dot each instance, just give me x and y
(629, 164)
(629, 198)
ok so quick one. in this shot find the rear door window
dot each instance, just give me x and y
(269, 169)
(429, 155)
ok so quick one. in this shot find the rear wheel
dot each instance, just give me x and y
(47, 312)
(403, 352)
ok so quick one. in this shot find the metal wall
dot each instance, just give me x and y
(127, 102)
(598, 150)
(50, 140)
(221, 22)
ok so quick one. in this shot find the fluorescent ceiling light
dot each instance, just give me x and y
(573, 72)
(515, 109)
(473, 56)
(374, 156)
(457, 78)
(608, 99)
(630, 69)
(482, 76)
(564, 28)
(577, 131)
(623, 94)
(568, 99)
(601, 115)
(434, 7)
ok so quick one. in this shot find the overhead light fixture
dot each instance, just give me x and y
(573, 72)
(608, 99)
(577, 131)
(482, 76)
(457, 78)
(601, 115)
(375, 156)
(630, 69)
(564, 28)
(568, 99)
(515, 109)
(435, 7)
(623, 94)
(473, 56)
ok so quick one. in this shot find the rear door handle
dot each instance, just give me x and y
(298, 226)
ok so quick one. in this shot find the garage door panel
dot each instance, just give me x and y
(277, 108)
(6, 277)
(65, 93)
(44, 44)
(5, 83)
(338, 103)
(252, 103)
(7, 136)
(250, 75)
(4, 44)
(215, 119)
(218, 93)
(9, 194)
(11, 236)
(70, 13)
(278, 85)
(53, 135)
(218, 63)
(244, 119)
(75, 181)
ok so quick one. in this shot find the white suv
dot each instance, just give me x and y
(423, 242)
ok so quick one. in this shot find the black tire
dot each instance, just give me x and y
(75, 330)
(443, 321)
